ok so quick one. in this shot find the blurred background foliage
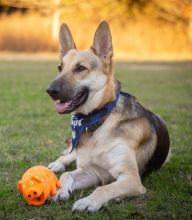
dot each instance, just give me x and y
(142, 29)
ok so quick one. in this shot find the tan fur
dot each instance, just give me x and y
(109, 92)
(116, 152)
(138, 131)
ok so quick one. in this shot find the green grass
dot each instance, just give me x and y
(32, 133)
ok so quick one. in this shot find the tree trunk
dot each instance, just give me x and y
(55, 23)
(190, 30)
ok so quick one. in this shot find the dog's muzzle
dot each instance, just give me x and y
(68, 99)
(55, 89)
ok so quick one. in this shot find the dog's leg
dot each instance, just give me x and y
(77, 179)
(61, 162)
(128, 183)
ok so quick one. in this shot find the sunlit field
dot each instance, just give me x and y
(32, 133)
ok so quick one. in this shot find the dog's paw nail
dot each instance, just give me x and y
(53, 198)
(86, 204)
(63, 197)
(78, 205)
(50, 198)
(56, 167)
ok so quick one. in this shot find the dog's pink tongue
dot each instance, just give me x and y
(61, 107)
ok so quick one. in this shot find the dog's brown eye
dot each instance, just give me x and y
(59, 68)
(80, 68)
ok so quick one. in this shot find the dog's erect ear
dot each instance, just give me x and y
(66, 40)
(102, 42)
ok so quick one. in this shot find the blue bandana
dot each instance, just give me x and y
(80, 123)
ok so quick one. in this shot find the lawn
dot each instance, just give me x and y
(32, 133)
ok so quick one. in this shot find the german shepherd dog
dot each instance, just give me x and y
(130, 143)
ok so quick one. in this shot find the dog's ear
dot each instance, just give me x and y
(102, 42)
(65, 40)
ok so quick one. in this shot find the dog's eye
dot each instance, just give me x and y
(80, 68)
(59, 68)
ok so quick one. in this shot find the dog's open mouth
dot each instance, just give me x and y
(69, 106)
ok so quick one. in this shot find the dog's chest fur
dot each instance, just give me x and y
(130, 135)
(102, 150)
(110, 148)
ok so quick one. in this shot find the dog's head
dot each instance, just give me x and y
(85, 81)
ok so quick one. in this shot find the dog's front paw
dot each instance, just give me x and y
(63, 194)
(86, 204)
(56, 167)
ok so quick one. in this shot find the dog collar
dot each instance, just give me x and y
(81, 123)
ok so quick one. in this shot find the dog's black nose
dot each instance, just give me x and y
(54, 89)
